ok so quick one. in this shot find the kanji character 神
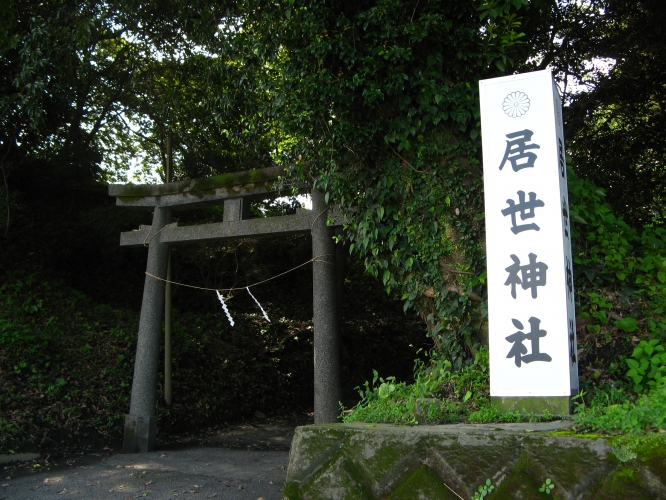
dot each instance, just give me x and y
(569, 279)
(560, 147)
(565, 216)
(572, 341)
(531, 276)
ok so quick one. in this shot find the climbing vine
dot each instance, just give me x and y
(379, 101)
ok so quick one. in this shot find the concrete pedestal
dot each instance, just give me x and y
(556, 405)
(140, 433)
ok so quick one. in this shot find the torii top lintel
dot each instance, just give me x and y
(194, 193)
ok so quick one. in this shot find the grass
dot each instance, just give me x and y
(464, 397)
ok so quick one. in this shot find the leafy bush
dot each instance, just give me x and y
(648, 413)
(647, 369)
(620, 278)
(459, 393)
(445, 395)
(618, 269)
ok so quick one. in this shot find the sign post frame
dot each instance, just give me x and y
(531, 301)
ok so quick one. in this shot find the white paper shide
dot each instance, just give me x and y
(531, 313)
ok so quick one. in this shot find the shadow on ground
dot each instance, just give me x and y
(246, 461)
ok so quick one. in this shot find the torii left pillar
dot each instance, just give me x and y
(141, 423)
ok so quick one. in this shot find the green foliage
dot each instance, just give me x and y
(647, 413)
(647, 365)
(376, 100)
(462, 395)
(547, 487)
(621, 291)
(610, 255)
(386, 400)
(381, 100)
(616, 125)
(483, 490)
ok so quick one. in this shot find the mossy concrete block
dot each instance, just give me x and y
(555, 405)
(381, 461)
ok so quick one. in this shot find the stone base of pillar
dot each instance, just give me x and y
(140, 434)
(556, 405)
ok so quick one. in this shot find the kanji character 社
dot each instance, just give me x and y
(519, 351)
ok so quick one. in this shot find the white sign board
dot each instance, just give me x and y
(532, 337)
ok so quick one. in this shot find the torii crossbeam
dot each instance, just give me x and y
(235, 191)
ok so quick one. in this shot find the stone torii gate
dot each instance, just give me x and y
(235, 191)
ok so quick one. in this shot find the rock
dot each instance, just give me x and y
(336, 461)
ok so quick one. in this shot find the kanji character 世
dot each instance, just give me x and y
(525, 209)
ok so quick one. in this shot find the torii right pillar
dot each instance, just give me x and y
(327, 373)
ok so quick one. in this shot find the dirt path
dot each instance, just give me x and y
(248, 461)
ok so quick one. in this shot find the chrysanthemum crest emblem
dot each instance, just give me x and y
(516, 104)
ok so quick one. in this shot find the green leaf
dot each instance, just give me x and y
(627, 324)
(578, 218)
(656, 243)
(384, 390)
(467, 396)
